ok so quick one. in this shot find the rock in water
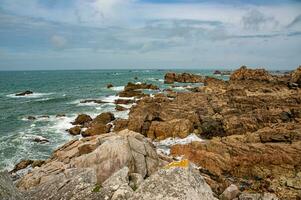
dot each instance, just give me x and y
(177, 181)
(110, 85)
(172, 77)
(74, 130)
(7, 189)
(27, 92)
(82, 119)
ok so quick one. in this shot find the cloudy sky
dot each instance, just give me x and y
(97, 34)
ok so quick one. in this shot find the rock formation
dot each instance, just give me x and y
(172, 77)
(27, 92)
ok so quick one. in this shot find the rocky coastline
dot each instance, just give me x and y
(250, 127)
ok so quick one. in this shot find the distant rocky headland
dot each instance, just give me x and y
(249, 145)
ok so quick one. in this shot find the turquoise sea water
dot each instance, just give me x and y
(57, 92)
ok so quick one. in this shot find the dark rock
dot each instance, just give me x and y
(124, 101)
(93, 101)
(40, 140)
(110, 85)
(22, 165)
(103, 118)
(120, 108)
(37, 163)
(74, 130)
(31, 118)
(82, 119)
(60, 115)
(27, 92)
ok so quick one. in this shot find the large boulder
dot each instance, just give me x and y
(175, 181)
(7, 189)
(82, 119)
(104, 118)
(96, 129)
(105, 154)
(296, 76)
(174, 128)
(74, 130)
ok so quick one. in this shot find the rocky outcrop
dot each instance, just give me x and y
(110, 85)
(256, 161)
(7, 189)
(27, 92)
(179, 182)
(101, 155)
(82, 119)
(244, 73)
(134, 90)
(174, 128)
(99, 125)
(296, 77)
(172, 77)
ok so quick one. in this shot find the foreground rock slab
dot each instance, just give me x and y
(104, 155)
(173, 183)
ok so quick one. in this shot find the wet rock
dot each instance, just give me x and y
(75, 130)
(142, 86)
(230, 193)
(120, 108)
(172, 77)
(82, 119)
(93, 101)
(31, 118)
(103, 118)
(27, 92)
(110, 85)
(60, 115)
(40, 139)
(37, 163)
(7, 189)
(44, 116)
(22, 165)
(124, 101)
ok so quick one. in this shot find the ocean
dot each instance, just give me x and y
(58, 92)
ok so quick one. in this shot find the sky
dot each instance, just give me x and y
(165, 34)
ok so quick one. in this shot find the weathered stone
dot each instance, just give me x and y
(7, 189)
(230, 193)
(174, 183)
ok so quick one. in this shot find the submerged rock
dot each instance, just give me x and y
(27, 92)
(110, 85)
(93, 101)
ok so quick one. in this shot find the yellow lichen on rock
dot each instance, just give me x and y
(181, 164)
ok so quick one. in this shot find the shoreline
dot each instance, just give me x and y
(247, 121)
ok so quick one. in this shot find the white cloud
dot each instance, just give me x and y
(59, 42)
